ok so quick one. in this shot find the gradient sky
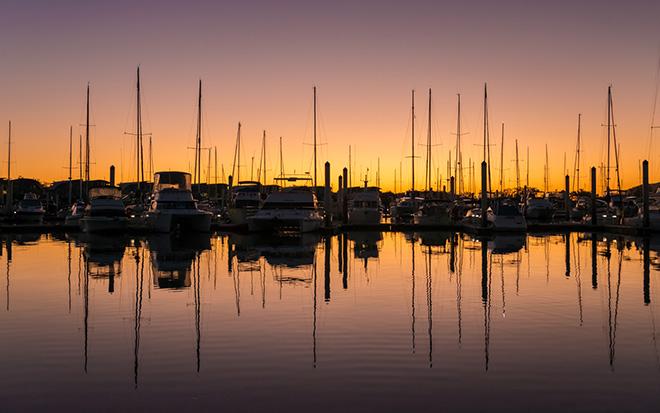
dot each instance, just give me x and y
(544, 64)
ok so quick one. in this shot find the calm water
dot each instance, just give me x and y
(360, 322)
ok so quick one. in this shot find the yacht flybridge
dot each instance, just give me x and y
(173, 207)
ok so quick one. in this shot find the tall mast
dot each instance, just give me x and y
(198, 141)
(263, 154)
(609, 127)
(617, 148)
(429, 177)
(412, 140)
(70, 164)
(458, 169)
(487, 136)
(139, 159)
(9, 202)
(576, 174)
(314, 136)
(502, 161)
(87, 157)
(517, 169)
(236, 165)
(80, 167)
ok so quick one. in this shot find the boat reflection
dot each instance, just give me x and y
(172, 258)
(289, 251)
(102, 255)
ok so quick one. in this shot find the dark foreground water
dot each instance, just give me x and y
(360, 322)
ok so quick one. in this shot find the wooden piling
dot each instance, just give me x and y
(326, 196)
(344, 200)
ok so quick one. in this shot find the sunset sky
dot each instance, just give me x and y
(544, 62)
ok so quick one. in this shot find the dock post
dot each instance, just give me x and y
(567, 198)
(340, 196)
(452, 186)
(484, 194)
(344, 200)
(112, 175)
(645, 193)
(230, 182)
(327, 197)
(594, 215)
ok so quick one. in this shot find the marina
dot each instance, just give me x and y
(329, 206)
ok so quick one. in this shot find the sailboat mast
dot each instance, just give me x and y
(87, 157)
(429, 177)
(80, 166)
(9, 201)
(487, 136)
(576, 177)
(198, 142)
(263, 154)
(412, 140)
(609, 128)
(314, 136)
(236, 165)
(502, 161)
(70, 163)
(458, 169)
(139, 159)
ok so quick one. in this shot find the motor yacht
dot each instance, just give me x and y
(504, 215)
(405, 207)
(433, 212)
(29, 210)
(245, 201)
(105, 212)
(365, 207)
(290, 209)
(173, 207)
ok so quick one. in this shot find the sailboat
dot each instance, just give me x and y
(404, 207)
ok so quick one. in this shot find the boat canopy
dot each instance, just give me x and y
(105, 192)
(172, 180)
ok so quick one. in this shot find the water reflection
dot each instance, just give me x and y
(229, 309)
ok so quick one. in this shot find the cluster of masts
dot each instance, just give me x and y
(456, 168)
